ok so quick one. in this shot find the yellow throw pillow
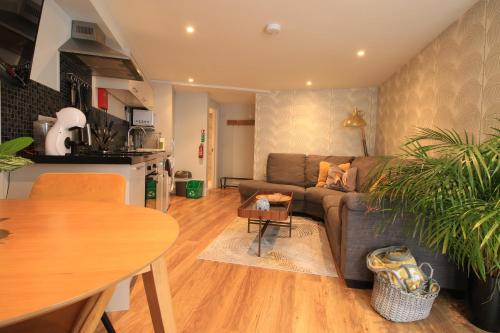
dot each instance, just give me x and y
(324, 166)
(344, 167)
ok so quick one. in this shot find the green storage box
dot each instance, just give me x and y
(194, 189)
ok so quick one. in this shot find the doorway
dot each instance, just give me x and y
(211, 144)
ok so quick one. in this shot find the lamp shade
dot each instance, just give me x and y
(355, 119)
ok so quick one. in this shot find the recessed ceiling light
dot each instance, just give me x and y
(190, 80)
(361, 53)
(309, 83)
(189, 29)
(272, 28)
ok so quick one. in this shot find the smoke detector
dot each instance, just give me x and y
(272, 28)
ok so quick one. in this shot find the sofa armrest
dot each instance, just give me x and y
(354, 201)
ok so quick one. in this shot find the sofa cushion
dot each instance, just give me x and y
(312, 166)
(286, 168)
(316, 194)
(249, 187)
(364, 164)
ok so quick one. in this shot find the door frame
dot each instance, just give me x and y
(215, 171)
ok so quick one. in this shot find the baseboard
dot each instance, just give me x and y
(357, 284)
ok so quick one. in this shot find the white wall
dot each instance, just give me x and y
(190, 117)
(164, 114)
(236, 143)
(54, 30)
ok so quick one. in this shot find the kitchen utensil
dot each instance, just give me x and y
(79, 94)
(104, 136)
(73, 93)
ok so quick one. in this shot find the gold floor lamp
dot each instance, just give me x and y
(356, 120)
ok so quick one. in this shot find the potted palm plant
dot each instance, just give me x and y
(450, 187)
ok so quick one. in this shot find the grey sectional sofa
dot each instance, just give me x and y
(352, 230)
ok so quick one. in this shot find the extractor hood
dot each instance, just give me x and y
(87, 44)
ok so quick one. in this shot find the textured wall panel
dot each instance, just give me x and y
(491, 90)
(453, 83)
(310, 122)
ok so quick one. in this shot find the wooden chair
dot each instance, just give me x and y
(101, 187)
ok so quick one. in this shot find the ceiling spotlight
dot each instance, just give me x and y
(361, 53)
(189, 29)
(190, 80)
(272, 28)
(309, 83)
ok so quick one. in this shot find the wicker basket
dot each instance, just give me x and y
(397, 305)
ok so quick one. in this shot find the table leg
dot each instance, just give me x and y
(91, 314)
(158, 294)
(290, 229)
(260, 236)
(248, 226)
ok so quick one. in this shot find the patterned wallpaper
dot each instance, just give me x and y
(453, 83)
(310, 122)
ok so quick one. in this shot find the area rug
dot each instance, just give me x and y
(307, 251)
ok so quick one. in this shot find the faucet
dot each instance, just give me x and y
(129, 141)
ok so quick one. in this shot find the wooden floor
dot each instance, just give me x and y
(217, 297)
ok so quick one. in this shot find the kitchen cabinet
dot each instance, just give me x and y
(129, 92)
(136, 181)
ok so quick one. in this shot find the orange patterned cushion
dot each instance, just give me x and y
(323, 171)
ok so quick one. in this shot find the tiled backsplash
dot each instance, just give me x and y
(21, 106)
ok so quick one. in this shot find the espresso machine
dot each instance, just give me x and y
(61, 139)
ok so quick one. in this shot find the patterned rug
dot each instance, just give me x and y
(307, 251)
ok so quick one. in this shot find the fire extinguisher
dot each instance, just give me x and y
(200, 150)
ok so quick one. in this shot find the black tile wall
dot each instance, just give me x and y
(21, 106)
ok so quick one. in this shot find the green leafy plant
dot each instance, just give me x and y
(8, 150)
(449, 186)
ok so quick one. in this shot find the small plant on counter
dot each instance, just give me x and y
(8, 150)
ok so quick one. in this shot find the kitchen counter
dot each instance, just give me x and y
(113, 158)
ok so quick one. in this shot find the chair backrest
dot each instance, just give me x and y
(102, 187)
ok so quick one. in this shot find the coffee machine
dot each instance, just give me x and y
(59, 138)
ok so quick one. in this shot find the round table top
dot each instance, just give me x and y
(59, 252)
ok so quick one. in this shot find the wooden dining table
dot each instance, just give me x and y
(61, 260)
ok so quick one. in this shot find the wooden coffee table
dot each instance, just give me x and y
(279, 215)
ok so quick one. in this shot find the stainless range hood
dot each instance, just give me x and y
(87, 44)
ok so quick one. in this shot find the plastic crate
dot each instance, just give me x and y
(194, 189)
(150, 188)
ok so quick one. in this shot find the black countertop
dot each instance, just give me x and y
(98, 158)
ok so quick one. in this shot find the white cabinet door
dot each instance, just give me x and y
(137, 185)
(143, 92)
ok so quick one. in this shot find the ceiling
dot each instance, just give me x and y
(318, 41)
(222, 96)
